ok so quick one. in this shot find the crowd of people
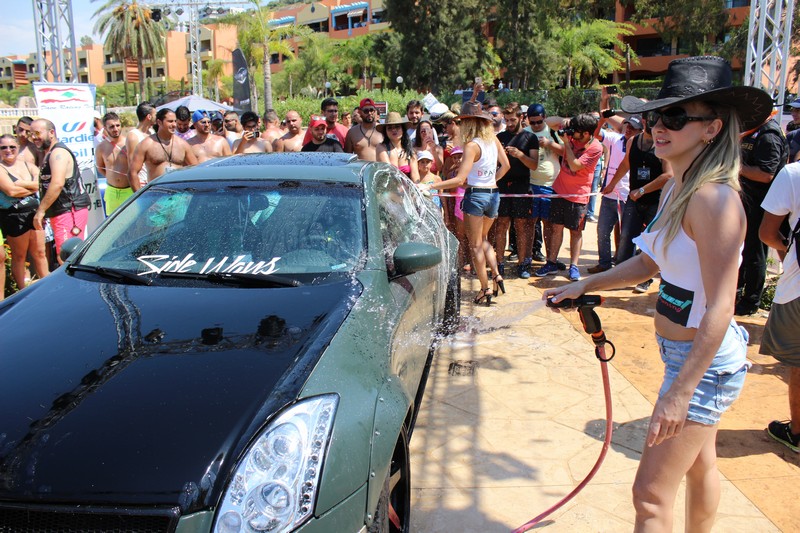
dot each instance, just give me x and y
(693, 186)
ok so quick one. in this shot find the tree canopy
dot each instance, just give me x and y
(695, 24)
(130, 32)
(440, 44)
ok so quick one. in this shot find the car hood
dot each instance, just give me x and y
(146, 395)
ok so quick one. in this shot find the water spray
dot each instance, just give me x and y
(591, 325)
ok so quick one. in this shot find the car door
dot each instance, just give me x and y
(411, 295)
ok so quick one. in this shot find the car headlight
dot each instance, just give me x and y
(275, 485)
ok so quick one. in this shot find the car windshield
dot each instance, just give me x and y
(266, 228)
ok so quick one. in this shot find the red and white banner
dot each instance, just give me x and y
(70, 107)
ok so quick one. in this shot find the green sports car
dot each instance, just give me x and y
(242, 346)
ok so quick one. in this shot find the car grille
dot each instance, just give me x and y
(70, 519)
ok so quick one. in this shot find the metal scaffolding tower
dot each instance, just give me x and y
(768, 41)
(195, 8)
(55, 40)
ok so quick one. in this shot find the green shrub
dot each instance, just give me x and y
(769, 292)
(10, 287)
(128, 120)
(566, 102)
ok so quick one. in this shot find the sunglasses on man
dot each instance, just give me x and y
(674, 118)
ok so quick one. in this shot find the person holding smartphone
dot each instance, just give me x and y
(251, 141)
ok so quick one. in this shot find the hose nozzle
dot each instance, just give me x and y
(585, 305)
(587, 300)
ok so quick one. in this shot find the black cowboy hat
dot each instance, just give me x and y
(706, 78)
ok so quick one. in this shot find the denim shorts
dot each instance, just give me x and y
(481, 204)
(541, 206)
(722, 382)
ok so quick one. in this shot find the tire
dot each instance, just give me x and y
(452, 305)
(393, 513)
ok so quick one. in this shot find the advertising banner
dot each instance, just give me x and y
(241, 82)
(70, 107)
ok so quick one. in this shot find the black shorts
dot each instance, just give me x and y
(568, 214)
(14, 223)
(515, 207)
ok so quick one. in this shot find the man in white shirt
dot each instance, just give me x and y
(614, 194)
(781, 337)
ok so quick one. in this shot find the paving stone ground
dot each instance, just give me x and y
(493, 449)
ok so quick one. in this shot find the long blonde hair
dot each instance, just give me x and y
(476, 127)
(719, 162)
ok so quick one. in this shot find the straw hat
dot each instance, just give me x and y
(393, 118)
(474, 110)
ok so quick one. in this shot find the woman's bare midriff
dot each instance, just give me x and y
(672, 331)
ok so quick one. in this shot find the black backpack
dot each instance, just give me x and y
(793, 240)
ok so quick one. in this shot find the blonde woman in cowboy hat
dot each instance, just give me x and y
(396, 148)
(479, 170)
(695, 241)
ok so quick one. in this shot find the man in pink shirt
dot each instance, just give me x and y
(579, 157)
(330, 112)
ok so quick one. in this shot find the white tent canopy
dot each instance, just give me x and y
(194, 103)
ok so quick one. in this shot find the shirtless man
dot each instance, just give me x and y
(362, 139)
(163, 151)
(27, 150)
(204, 144)
(272, 126)
(147, 117)
(292, 141)
(112, 162)
(183, 127)
(233, 128)
(250, 143)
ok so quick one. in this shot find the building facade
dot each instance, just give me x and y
(100, 66)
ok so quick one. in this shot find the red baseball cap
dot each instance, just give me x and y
(366, 102)
(317, 121)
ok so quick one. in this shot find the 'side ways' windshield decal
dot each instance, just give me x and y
(239, 265)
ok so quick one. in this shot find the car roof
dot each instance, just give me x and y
(338, 167)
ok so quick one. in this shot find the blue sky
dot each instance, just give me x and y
(16, 25)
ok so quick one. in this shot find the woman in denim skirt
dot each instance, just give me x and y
(695, 242)
(479, 170)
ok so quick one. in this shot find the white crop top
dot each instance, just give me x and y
(484, 170)
(681, 296)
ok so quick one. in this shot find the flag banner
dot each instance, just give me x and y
(241, 82)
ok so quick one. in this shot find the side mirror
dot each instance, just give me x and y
(410, 257)
(69, 247)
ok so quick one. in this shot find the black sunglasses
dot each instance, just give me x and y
(8, 147)
(674, 118)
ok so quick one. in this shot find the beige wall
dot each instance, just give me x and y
(176, 64)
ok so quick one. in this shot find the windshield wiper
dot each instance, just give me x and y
(233, 278)
(110, 273)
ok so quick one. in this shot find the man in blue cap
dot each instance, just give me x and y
(205, 145)
(217, 123)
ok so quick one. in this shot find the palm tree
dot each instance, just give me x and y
(215, 69)
(357, 54)
(589, 52)
(259, 42)
(130, 33)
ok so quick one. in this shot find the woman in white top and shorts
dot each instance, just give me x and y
(479, 170)
(695, 241)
